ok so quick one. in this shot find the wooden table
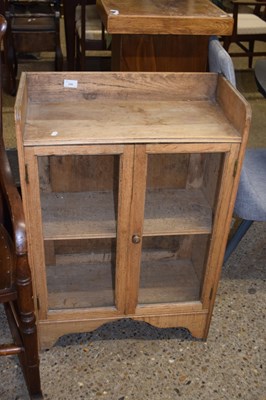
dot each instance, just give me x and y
(162, 35)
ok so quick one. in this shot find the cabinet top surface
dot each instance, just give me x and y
(183, 17)
(107, 108)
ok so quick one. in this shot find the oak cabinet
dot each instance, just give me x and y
(128, 183)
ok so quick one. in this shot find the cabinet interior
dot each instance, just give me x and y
(80, 213)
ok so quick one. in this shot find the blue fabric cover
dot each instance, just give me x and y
(220, 61)
(251, 196)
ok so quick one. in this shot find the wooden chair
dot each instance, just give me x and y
(33, 27)
(249, 27)
(15, 275)
(90, 32)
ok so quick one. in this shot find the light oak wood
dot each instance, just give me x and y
(49, 331)
(116, 110)
(128, 207)
(35, 231)
(124, 205)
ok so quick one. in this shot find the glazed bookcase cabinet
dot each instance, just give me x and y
(128, 183)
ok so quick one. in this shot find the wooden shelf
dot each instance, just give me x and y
(74, 283)
(168, 281)
(80, 215)
(195, 120)
(132, 109)
(176, 211)
(92, 215)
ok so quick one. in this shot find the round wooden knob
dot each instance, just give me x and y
(135, 239)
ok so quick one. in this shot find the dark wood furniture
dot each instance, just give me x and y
(162, 35)
(128, 182)
(248, 28)
(15, 276)
(90, 32)
(33, 27)
(69, 7)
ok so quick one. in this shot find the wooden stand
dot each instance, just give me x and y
(162, 35)
(128, 182)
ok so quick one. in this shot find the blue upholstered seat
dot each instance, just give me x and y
(250, 202)
(251, 196)
(220, 61)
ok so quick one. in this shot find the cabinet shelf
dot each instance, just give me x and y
(81, 215)
(176, 211)
(168, 281)
(77, 283)
(92, 214)
(74, 284)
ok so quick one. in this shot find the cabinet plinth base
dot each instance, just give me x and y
(51, 331)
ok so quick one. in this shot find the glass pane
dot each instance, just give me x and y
(172, 269)
(79, 214)
(179, 207)
(80, 275)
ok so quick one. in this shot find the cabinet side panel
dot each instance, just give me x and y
(35, 233)
(221, 226)
(234, 106)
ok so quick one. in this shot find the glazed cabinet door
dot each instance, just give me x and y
(182, 195)
(78, 207)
